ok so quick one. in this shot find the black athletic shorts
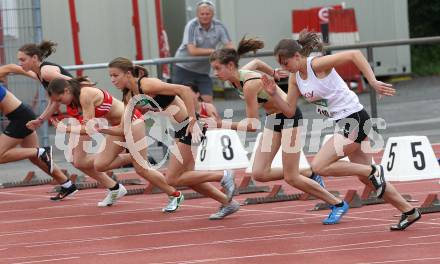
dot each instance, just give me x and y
(17, 122)
(180, 133)
(280, 121)
(355, 126)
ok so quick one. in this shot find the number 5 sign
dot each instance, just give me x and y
(221, 149)
(409, 158)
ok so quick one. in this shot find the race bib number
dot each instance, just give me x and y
(322, 108)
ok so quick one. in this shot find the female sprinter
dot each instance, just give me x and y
(177, 102)
(316, 79)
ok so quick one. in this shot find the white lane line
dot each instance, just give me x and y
(417, 237)
(217, 228)
(46, 260)
(291, 206)
(354, 227)
(237, 240)
(222, 259)
(282, 220)
(119, 251)
(344, 245)
(280, 237)
(400, 260)
(42, 219)
(72, 241)
(75, 216)
(409, 245)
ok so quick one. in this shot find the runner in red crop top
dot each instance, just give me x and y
(94, 104)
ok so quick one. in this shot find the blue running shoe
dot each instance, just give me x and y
(336, 214)
(317, 178)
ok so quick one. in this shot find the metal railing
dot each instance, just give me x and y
(365, 45)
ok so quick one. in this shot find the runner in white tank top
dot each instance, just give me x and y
(316, 79)
(331, 95)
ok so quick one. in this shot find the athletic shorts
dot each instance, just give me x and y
(18, 120)
(180, 133)
(279, 121)
(355, 126)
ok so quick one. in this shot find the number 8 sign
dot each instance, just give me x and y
(221, 149)
(409, 158)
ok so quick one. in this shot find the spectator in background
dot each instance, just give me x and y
(201, 37)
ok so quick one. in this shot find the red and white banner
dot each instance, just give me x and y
(342, 27)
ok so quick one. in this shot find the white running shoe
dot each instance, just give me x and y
(173, 203)
(226, 210)
(113, 196)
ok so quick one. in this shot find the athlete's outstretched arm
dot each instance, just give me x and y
(328, 62)
(15, 69)
(259, 65)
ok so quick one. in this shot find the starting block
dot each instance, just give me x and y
(247, 185)
(368, 197)
(83, 184)
(29, 180)
(277, 195)
(430, 205)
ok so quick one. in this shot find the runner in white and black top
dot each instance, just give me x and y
(317, 81)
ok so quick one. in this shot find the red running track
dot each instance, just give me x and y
(35, 230)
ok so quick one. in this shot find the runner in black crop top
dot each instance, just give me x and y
(162, 100)
(62, 71)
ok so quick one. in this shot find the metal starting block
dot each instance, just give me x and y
(430, 205)
(368, 197)
(277, 195)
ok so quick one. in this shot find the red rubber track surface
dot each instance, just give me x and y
(36, 230)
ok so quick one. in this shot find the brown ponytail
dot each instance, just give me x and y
(307, 42)
(42, 50)
(226, 55)
(310, 41)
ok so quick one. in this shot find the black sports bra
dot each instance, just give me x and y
(162, 100)
(62, 70)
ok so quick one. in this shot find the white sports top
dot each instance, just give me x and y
(330, 94)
